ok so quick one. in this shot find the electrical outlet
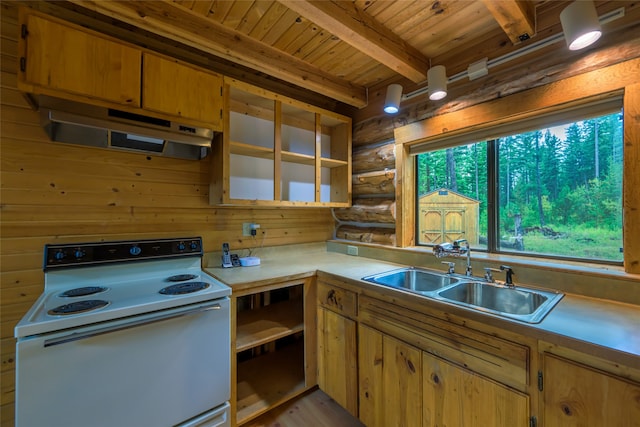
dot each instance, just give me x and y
(246, 228)
(352, 250)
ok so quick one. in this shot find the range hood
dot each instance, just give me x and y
(76, 123)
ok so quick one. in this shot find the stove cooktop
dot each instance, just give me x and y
(87, 294)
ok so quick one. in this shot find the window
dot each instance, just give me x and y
(552, 191)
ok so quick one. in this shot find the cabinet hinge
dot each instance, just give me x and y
(221, 113)
(533, 422)
(23, 31)
(540, 381)
(23, 64)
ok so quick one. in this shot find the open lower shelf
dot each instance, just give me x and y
(268, 380)
(266, 324)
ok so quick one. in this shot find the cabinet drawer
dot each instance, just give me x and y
(337, 299)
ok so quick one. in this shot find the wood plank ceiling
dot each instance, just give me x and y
(342, 49)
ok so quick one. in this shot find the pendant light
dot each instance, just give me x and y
(437, 80)
(392, 101)
(580, 24)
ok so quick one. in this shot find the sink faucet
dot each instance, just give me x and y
(467, 251)
(508, 275)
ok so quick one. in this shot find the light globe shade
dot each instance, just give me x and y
(392, 101)
(580, 24)
(437, 80)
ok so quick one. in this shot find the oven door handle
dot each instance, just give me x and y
(82, 335)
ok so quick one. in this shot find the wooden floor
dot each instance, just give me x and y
(313, 408)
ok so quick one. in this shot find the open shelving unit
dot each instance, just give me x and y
(271, 348)
(276, 151)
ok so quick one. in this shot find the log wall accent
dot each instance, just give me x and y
(381, 236)
(57, 193)
(374, 158)
(373, 187)
(376, 182)
(368, 210)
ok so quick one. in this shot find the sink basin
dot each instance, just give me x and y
(529, 305)
(413, 279)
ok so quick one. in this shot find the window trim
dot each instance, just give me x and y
(577, 90)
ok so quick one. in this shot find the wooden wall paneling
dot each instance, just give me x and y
(631, 191)
(61, 193)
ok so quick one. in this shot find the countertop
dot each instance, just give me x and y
(599, 327)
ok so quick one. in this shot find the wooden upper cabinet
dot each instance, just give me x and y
(180, 90)
(58, 57)
(67, 61)
(277, 151)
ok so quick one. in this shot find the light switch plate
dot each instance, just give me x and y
(352, 250)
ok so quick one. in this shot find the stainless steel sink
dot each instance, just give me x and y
(413, 279)
(519, 303)
(529, 305)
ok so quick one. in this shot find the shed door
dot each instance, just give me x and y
(442, 225)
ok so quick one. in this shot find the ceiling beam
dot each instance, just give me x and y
(357, 28)
(516, 17)
(176, 22)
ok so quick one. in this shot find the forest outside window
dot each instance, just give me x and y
(553, 191)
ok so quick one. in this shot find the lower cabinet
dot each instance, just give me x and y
(337, 345)
(453, 396)
(390, 374)
(397, 365)
(337, 370)
(578, 395)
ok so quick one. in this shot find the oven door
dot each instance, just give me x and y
(156, 369)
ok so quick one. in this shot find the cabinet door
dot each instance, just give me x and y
(337, 371)
(65, 59)
(390, 381)
(179, 90)
(576, 395)
(456, 397)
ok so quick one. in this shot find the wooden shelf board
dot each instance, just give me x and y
(304, 159)
(257, 327)
(251, 150)
(332, 163)
(269, 380)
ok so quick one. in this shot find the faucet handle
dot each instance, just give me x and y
(488, 276)
(451, 266)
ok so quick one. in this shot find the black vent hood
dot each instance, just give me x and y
(90, 125)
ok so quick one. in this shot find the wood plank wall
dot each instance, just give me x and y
(55, 193)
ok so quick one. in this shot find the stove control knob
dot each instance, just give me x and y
(194, 246)
(60, 255)
(79, 253)
(135, 250)
(181, 246)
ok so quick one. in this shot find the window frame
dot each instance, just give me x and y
(616, 80)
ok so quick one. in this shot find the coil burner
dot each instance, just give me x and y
(78, 307)
(82, 292)
(184, 288)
